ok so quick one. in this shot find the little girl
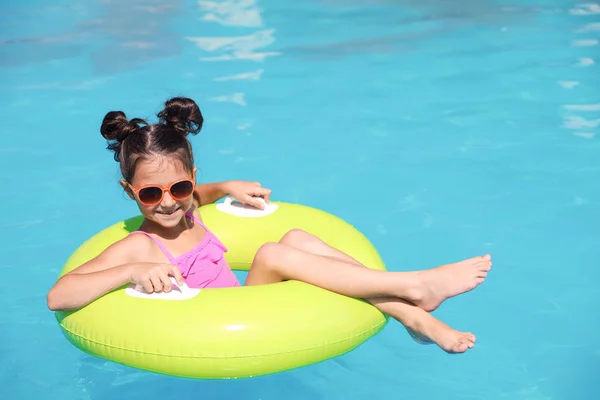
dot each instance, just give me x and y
(158, 171)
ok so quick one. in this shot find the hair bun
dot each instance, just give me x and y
(115, 127)
(183, 115)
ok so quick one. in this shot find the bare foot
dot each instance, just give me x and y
(417, 337)
(441, 283)
(426, 329)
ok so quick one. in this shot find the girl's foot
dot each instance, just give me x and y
(427, 330)
(417, 337)
(441, 283)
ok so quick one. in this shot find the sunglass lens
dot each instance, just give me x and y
(181, 190)
(150, 195)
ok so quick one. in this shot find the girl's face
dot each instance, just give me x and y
(167, 177)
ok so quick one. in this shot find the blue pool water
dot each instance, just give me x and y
(440, 129)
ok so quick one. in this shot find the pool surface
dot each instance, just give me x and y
(442, 130)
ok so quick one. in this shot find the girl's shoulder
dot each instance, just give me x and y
(136, 241)
(132, 248)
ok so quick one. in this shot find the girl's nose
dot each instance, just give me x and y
(167, 200)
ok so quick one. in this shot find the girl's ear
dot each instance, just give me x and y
(127, 189)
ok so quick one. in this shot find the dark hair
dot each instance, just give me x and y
(132, 140)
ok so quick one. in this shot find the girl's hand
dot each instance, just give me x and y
(246, 192)
(155, 277)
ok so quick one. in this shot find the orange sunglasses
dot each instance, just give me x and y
(152, 195)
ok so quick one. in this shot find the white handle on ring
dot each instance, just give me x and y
(245, 210)
(184, 288)
(182, 292)
(228, 201)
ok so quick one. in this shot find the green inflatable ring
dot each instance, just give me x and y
(230, 332)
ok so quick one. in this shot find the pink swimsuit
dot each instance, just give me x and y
(204, 266)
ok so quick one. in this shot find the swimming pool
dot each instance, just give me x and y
(440, 131)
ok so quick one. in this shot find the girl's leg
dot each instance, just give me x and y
(275, 262)
(422, 326)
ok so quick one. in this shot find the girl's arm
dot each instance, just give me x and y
(73, 290)
(244, 191)
(208, 193)
(113, 268)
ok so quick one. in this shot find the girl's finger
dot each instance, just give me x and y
(261, 192)
(147, 285)
(156, 283)
(166, 282)
(176, 273)
(254, 201)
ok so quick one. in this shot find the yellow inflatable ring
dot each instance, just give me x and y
(230, 332)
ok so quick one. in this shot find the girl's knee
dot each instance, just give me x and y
(298, 238)
(266, 265)
(268, 254)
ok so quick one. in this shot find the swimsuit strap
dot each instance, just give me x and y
(162, 246)
(196, 220)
